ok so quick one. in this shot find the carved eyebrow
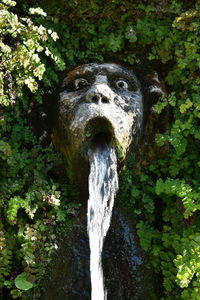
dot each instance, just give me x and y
(131, 80)
(118, 72)
(71, 77)
(91, 73)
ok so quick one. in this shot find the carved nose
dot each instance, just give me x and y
(96, 97)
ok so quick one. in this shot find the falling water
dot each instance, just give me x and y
(103, 186)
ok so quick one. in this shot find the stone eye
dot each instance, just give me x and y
(80, 83)
(121, 84)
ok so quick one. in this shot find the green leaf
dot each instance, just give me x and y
(21, 282)
(60, 215)
(16, 293)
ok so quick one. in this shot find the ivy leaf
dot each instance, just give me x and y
(21, 282)
(145, 232)
(60, 215)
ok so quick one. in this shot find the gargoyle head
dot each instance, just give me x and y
(98, 103)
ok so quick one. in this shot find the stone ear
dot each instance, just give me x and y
(153, 88)
(40, 117)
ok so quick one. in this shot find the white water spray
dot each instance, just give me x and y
(103, 186)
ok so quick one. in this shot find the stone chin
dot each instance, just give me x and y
(99, 103)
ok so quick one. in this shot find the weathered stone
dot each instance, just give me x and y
(105, 103)
(108, 103)
(98, 101)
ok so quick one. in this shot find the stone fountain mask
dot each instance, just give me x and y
(98, 103)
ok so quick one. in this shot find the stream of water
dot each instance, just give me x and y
(103, 186)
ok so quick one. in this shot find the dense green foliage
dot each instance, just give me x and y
(30, 197)
(165, 195)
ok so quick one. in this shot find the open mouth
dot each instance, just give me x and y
(99, 131)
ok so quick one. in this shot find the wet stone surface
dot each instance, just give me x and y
(125, 274)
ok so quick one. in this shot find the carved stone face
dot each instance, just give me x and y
(99, 102)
